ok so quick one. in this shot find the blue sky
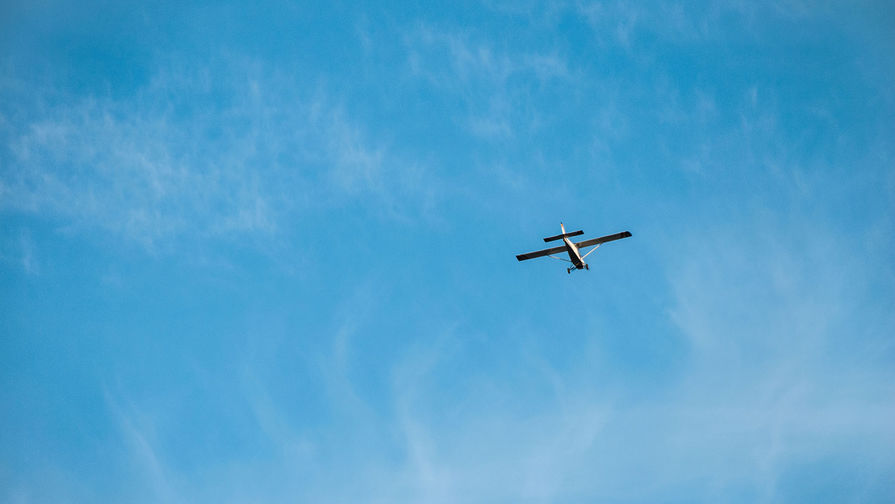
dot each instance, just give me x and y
(264, 252)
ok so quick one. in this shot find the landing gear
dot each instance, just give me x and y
(569, 270)
(587, 267)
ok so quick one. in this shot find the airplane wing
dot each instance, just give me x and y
(541, 253)
(602, 239)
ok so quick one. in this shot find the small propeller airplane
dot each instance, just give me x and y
(573, 249)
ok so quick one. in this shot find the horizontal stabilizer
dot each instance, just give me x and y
(603, 239)
(564, 235)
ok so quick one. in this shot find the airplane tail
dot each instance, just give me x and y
(564, 234)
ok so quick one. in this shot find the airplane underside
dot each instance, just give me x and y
(577, 267)
(572, 249)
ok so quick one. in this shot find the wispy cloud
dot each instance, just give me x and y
(194, 155)
(136, 431)
(493, 82)
(770, 315)
(20, 250)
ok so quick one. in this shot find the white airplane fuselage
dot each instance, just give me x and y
(574, 255)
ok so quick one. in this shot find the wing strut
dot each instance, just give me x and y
(560, 258)
(590, 251)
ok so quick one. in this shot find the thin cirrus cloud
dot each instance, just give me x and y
(773, 377)
(196, 154)
(483, 77)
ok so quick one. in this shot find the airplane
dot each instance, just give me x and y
(573, 249)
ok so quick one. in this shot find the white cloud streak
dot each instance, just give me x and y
(486, 78)
(143, 458)
(192, 155)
